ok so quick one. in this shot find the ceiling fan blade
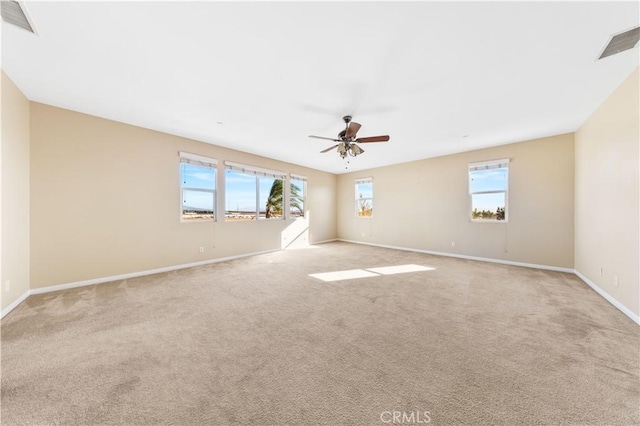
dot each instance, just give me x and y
(321, 137)
(353, 129)
(328, 149)
(384, 138)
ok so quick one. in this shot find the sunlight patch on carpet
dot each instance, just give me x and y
(400, 269)
(369, 272)
(343, 275)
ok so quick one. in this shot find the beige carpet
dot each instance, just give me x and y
(258, 341)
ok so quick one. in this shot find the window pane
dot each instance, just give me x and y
(488, 180)
(197, 205)
(270, 198)
(297, 199)
(240, 193)
(297, 187)
(364, 190)
(197, 177)
(364, 199)
(364, 207)
(488, 206)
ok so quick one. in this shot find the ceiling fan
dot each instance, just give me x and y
(347, 139)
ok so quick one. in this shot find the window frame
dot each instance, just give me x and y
(257, 173)
(359, 181)
(282, 216)
(200, 161)
(302, 179)
(489, 165)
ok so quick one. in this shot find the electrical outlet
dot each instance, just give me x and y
(453, 243)
(615, 281)
(7, 285)
(201, 249)
(363, 235)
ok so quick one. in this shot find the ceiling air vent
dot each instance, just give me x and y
(620, 42)
(14, 13)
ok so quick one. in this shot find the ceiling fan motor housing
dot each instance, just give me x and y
(347, 139)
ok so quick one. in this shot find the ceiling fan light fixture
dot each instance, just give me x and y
(342, 150)
(355, 149)
(346, 139)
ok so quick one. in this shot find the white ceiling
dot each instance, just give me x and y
(273, 73)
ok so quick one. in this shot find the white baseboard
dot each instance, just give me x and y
(462, 256)
(15, 303)
(111, 278)
(635, 318)
(590, 283)
(324, 241)
(141, 273)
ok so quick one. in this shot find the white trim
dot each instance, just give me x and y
(15, 303)
(635, 318)
(141, 273)
(363, 180)
(356, 206)
(211, 164)
(488, 165)
(303, 180)
(326, 241)
(112, 278)
(462, 256)
(198, 159)
(243, 168)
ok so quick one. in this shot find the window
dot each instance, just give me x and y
(197, 187)
(297, 196)
(253, 193)
(240, 193)
(270, 190)
(364, 197)
(488, 184)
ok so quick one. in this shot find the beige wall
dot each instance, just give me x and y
(105, 201)
(607, 193)
(15, 193)
(425, 205)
